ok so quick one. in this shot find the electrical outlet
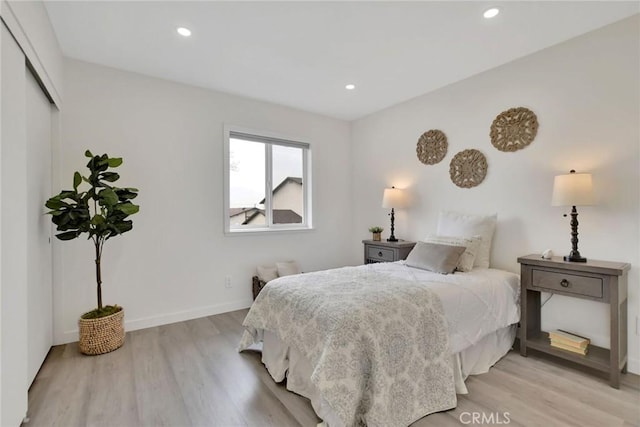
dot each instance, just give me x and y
(227, 282)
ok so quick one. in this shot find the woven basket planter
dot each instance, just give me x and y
(102, 335)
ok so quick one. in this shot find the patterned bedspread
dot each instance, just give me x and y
(378, 345)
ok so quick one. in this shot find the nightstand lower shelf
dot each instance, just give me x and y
(596, 358)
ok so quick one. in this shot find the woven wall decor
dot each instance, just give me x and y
(514, 129)
(432, 147)
(468, 168)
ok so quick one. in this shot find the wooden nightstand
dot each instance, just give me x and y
(383, 251)
(600, 281)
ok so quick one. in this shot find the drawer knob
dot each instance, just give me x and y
(380, 253)
(564, 283)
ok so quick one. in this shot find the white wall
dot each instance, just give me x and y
(585, 93)
(173, 264)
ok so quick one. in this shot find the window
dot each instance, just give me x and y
(267, 183)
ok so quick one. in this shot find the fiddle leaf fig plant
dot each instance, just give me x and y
(101, 212)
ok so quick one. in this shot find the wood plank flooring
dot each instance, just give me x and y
(190, 374)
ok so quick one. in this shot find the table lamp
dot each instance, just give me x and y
(573, 189)
(393, 198)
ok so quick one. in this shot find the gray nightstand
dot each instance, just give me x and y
(383, 251)
(600, 281)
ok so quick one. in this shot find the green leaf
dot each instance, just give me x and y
(115, 162)
(125, 194)
(128, 208)
(88, 154)
(77, 179)
(67, 195)
(69, 235)
(124, 226)
(97, 219)
(101, 165)
(120, 227)
(55, 204)
(108, 197)
(110, 176)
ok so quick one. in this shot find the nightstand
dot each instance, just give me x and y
(601, 281)
(383, 251)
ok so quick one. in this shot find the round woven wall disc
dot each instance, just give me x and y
(468, 168)
(432, 147)
(514, 129)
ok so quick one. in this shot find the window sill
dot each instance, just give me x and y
(267, 231)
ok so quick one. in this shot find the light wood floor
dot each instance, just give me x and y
(189, 374)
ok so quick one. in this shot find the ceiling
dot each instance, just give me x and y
(302, 54)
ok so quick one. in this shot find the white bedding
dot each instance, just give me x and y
(478, 306)
(282, 361)
(378, 344)
(475, 303)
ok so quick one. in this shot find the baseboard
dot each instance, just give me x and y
(165, 319)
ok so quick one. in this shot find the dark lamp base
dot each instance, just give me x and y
(573, 258)
(392, 239)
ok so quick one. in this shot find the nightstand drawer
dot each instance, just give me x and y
(380, 254)
(570, 283)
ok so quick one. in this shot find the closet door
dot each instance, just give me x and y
(39, 263)
(13, 232)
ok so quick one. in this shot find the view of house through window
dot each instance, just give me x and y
(266, 183)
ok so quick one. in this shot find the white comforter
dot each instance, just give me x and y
(475, 303)
(378, 343)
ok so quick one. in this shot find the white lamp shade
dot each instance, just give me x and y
(573, 189)
(393, 198)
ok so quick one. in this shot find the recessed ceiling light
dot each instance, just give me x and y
(183, 31)
(350, 87)
(490, 13)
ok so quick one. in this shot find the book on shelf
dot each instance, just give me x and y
(569, 339)
(577, 350)
(569, 344)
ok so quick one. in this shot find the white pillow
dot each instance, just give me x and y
(267, 272)
(461, 225)
(287, 268)
(465, 263)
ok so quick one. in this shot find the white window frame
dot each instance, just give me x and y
(268, 139)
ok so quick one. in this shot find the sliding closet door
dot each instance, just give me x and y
(39, 269)
(13, 232)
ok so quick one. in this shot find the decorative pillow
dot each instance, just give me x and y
(435, 257)
(465, 263)
(267, 272)
(461, 225)
(287, 268)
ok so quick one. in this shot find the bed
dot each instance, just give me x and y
(480, 307)
(339, 371)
